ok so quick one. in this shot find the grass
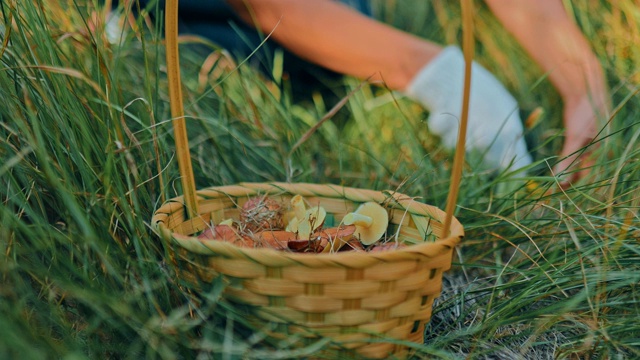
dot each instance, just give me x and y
(86, 155)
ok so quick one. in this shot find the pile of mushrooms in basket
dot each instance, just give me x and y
(267, 223)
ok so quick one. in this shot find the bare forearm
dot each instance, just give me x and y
(555, 43)
(337, 37)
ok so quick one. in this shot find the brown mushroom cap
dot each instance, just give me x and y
(371, 222)
(261, 213)
(335, 237)
(275, 239)
(352, 245)
(226, 233)
(308, 246)
(220, 233)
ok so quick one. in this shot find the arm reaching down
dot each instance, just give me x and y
(547, 33)
(335, 36)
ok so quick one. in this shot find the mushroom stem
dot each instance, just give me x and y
(358, 220)
(371, 222)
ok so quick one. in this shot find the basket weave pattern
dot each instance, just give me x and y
(351, 297)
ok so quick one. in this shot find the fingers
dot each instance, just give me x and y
(576, 161)
(581, 129)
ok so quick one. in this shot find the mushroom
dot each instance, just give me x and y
(309, 245)
(293, 217)
(325, 240)
(297, 203)
(335, 237)
(312, 220)
(261, 213)
(371, 222)
(305, 222)
(219, 232)
(352, 245)
(275, 239)
(226, 233)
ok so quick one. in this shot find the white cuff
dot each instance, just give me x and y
(494, 125)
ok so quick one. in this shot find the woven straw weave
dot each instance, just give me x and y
(350, 297)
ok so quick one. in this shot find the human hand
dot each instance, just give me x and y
(580, 120)
(494, 125)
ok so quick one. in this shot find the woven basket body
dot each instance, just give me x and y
(350, 297)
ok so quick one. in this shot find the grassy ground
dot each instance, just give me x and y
(86, 155)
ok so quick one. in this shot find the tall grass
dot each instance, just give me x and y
(87, 155)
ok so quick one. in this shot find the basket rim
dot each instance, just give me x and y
(272, 256)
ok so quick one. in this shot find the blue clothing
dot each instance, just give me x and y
(216, 21)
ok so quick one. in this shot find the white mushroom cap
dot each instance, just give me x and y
(371, 221)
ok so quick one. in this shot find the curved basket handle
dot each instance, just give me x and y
(180, 131)
(177, 108)
(458, 161)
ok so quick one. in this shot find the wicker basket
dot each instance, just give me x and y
(349, 297)
(373, 304)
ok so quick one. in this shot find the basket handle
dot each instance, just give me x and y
(180, 130)
(458, 160)
(177, 108)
